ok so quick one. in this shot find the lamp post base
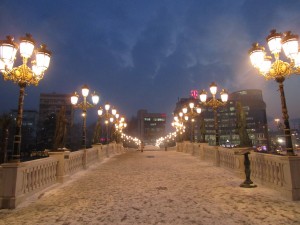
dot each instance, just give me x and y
(248, 184)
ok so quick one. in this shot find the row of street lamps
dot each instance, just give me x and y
(24, 76)
(190, 112)
(110, 116)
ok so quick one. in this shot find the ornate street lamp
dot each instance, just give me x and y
(278, 70)
(214, 103)
(84, 105)
(189, 114)
(110, 117)
(23, 75)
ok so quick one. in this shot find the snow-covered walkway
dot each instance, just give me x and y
(154, 187)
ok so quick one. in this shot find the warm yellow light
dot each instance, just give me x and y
(26, 46)
(85, 91)
(113, 111)
(95, 98)
(290, 44)
(203, 96)
(224, 95)
(274, 42)
(191, 105)
(257, 55)
(100, 111)
(184, 110)
(42, 58)
(107, 106)
(8, 50)
(74, 98)
(265, 65)
(213, 88)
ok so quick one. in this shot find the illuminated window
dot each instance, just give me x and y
(147, 119)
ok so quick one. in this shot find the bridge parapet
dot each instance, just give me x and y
(19, 181)
(278, 172)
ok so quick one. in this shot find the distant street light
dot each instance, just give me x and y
(214, 103)
(111, 117)
(22, 75)
(84, 105)
(190, 113)
(278, 70)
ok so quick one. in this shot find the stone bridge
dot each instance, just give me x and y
(188, 184)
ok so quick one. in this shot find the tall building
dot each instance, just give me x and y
(29, 130)
(151, 126)
(50, 106)
(255, 112)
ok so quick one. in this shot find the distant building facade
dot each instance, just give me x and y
(151, 126)
(49, 108)
(29, 130)
(255, 112)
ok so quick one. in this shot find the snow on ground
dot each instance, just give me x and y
(154, 187)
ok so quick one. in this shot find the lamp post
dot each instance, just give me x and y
(278, 70)
(214, 103)
(190, 113)
(110, 117)
(84, 105)
(22, 75)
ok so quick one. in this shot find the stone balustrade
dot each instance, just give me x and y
(18, 181)
(274, 171)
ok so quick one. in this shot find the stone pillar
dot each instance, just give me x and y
(202, 150)
(217, 156)
(12, 192)
(63, 159)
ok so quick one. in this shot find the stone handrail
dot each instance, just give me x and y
(74, 163)
(21, 180)
(39, 173)
(274, 171)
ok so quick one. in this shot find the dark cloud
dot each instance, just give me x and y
(146, 54)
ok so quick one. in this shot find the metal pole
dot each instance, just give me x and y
(107, 133)
(285, 116)
(216, 125)
(84, 124)
(83, 143)
(18, 133)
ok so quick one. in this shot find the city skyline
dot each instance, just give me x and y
(141, 54)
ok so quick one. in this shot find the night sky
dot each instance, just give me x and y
(145, 54)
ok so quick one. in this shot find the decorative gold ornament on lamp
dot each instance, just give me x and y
(23, 75)
(279, 70)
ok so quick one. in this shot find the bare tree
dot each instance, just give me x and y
(5, 121)
(241, 126)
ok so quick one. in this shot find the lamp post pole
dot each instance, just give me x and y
(22, 75)
(216, 125)
(285, 116)
(278, 70)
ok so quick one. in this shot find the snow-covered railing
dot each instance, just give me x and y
(74, 162)
(38, 174)
(274, 171)
(21, 180)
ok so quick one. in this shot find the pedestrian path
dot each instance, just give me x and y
(154, 187)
